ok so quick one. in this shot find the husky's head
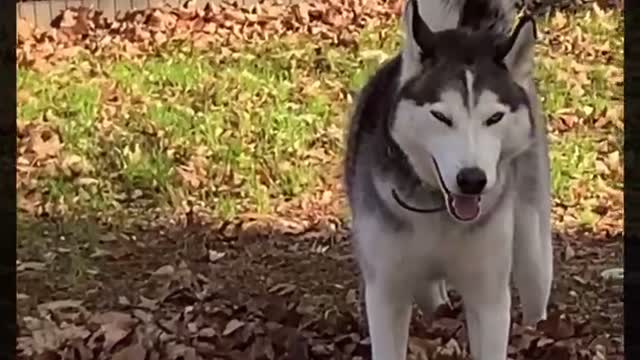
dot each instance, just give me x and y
(462, 110)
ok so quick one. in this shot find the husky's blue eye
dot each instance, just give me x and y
(494, 119)
(441, 117)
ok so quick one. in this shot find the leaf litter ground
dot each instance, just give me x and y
(132, 130)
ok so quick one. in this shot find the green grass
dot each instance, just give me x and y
(573, 159)
(580, 61)
(247, 126)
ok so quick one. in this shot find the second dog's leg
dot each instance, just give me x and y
(532, 265)
(362, 309)
(388, 313)
(431, 296)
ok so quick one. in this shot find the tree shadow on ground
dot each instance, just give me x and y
(267, 296)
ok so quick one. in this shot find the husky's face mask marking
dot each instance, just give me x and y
(465, 111)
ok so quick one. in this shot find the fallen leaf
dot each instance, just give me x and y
(557, 326)
(113, 334)
(24, 30)
(164, 271)
(131, 352)
(569, 253)
(215, 255)
(282, 289)
(31, 266)
(613, 274)
(181, 352)
(121, 319)
(60, 305)
(44, 143)
(232, 326)
(207, 332)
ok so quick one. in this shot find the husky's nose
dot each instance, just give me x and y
(471, 180)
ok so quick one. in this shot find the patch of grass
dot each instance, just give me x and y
(573, 162)
(583, 90)
(148, 170)
(579, 62)
(248, 130)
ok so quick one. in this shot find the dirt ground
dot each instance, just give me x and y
(188, 288)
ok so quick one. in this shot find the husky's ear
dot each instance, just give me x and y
(418, 32)
(517, 52)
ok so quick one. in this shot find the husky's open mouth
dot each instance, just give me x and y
(461, 207)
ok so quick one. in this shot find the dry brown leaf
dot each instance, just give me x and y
(422, 349)
(45, 337)
(77, 350)
(450, 351)
(232, 326)
(31, 266)
(613, 161)
(165, 270)
(207, 332)
(60, 305)
(73, 332)
(131, 352)
(215, 255)
(282, 289)
(557, 326)
(569, 253)
(189, 176)
(24, 30)
(181, 352)
(121, 319)
(44, 143)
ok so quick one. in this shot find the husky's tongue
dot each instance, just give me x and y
(465, 207)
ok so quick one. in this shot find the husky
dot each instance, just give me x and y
(448, 179)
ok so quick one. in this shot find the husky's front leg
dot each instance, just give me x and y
(488, 321)
(388, 308)
(483, 283)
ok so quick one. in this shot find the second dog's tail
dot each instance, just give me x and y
(494, 15)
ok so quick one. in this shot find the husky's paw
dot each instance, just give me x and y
(532, 318)
(534, 309)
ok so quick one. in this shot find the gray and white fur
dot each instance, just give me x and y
(453, 122)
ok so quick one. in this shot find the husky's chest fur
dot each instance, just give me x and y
(433, 246)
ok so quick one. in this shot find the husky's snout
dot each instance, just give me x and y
(463, 204)
(471, 180)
